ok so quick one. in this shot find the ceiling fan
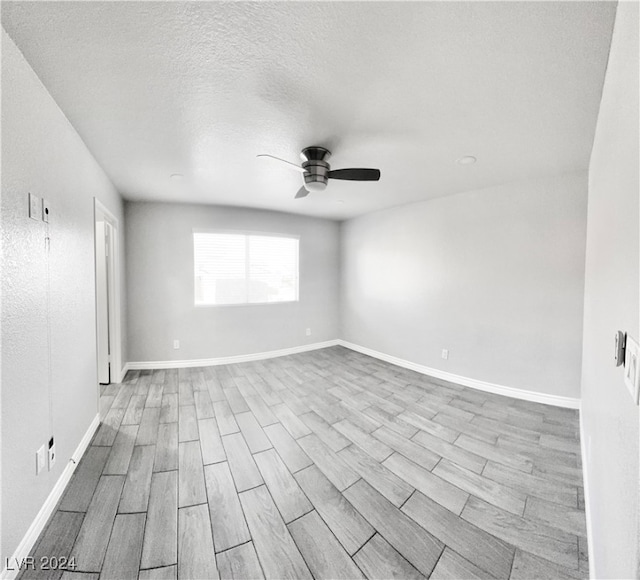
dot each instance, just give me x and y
(317, 171)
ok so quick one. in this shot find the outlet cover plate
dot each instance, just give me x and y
(52, 456)
(632, 368)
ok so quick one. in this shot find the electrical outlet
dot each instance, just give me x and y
(176, 344)
(35, 207)
(45, 210)
(40, 461)
(308, 332)
(631, 368)
(52, 453)
(445, 353)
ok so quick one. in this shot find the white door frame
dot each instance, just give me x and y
(115, 331)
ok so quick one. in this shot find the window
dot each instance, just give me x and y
(244, 268)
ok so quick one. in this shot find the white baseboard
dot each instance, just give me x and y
(209, 362)
(38, 524)
(123, 373)
(556, 400)
(536, 397)
(587, 496)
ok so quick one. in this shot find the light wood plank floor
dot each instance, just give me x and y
(328, 464)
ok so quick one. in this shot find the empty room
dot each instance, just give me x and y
(321, 290)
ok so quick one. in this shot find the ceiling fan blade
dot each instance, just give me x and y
(302, 192)
(355, 174)
(291, 165)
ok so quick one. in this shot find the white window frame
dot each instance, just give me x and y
(245, 233)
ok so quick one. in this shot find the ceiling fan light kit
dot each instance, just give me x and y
(316, 168)
(317, 171)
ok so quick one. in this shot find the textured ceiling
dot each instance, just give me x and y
(200, 88)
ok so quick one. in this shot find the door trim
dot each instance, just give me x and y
(115, 330)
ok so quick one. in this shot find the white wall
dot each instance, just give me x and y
(42, 153)
(610, 420)
(161, 295)
(496, 276)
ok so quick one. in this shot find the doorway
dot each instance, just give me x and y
(107, 265)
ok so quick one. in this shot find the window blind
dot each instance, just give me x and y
(238, 268)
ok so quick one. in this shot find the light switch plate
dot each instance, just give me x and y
(35, 207)
(40, 462)
(631, 368)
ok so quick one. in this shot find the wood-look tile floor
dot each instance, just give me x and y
(328, 464)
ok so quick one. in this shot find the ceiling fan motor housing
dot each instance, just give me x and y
(316, 168)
